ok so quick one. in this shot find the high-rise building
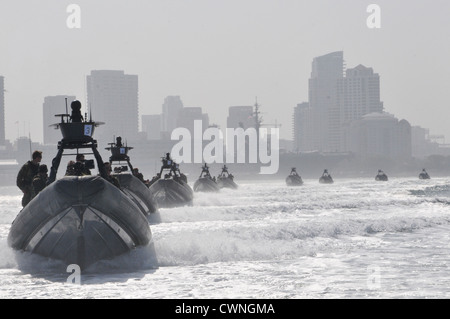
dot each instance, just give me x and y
(52, 106)
(2, 110)
(187, 116)
(359, 94)
(170, 109)
(240, 116)
(360, 91)
(335, 101)
(303, 128)
(151, 125)
(112, 98)
(327, 71)
(380, 135)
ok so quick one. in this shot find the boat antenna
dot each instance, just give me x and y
(67, 112)
(258, 121)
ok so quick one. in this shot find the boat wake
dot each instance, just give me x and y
(142, 258)
(437, 190)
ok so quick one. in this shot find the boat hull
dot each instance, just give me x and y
(205, 184)
(226, 182)
(293, 180)
(80, 220)
(169, 193)
(326, 180)
(138, 192)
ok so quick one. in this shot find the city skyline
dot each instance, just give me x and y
(109, 84)
(216, 55)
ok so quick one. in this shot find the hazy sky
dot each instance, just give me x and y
(220, 53)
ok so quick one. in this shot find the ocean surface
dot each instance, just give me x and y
(356, 238)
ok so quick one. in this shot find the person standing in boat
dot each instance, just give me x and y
(167, 162)
(76, 116)
(40, 180)
(25, 176)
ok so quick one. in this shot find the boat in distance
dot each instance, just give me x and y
(170, 187)
(130, 184)
(381, 176)
(326, 178)
(293, 179)
(226, 179)
(424, 174)
(205, 182)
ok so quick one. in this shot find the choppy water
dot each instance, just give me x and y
(352, 239)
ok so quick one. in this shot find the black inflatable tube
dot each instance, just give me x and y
(93, 191)
(145, 198)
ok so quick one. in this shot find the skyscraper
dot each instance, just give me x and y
(359, 94)
(2, 110)
(151, 125)
(113, 99)
(187, 116)
(303, 128)
(334, 102)
(54, 105)
(170, 109)
(327, 71)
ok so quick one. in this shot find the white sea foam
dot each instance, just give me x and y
(352, 239)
